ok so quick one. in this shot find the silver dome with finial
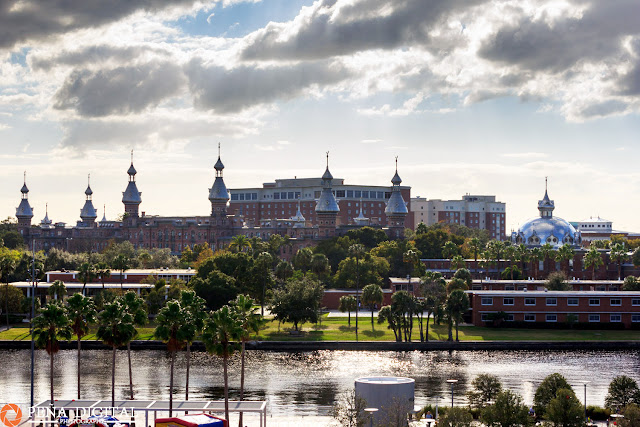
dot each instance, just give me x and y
(396, 204)
(327, 201)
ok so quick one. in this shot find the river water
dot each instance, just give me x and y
(304, 385)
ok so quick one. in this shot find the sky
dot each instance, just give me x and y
(473, 96)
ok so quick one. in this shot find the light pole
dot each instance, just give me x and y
(452, 382)
(437, 398)
(585, 398)
(33, 309)
(408, 282)
(371, 411)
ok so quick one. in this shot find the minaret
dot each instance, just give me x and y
(361, 220)
(327, 207)
(46, 222)
(396, 209)
(131, 197)
(218, 193)
(88, 213)
(24, 212)
(546, 205)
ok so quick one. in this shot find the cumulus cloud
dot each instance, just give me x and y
(231, 90)
(331, 28)
(22, 20)
(93, 55)
(122, 90)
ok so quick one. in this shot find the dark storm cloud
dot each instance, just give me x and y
(92, 55)
(121, 90)
(557, 46)
(22, 20)
(333, 29)
(226, 91)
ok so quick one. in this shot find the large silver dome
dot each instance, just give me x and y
(547, 228)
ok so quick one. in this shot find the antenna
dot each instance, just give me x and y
(218, 150)
(327, 159)
(396, 164)
(88, 180)
(545, 183)
(25, 177)
(131, 156)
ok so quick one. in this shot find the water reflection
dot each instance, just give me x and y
(308, 383)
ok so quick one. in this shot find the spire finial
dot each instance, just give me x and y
(89, 180)
(104, 209)
(218, 150)
(46, 208)
(545, 183)
(25, 177)
(131, 156)
(327, 159)
(396, 164)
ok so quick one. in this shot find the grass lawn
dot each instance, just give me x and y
(337, 329)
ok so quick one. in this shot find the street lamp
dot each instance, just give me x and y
(585, 398)
(408, 282)
(437, 398)
(452, 382)
(371, 411)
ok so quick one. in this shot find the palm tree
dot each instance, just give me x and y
(433, 290)
(263, 264)
(510, 254)
(347, 303)
(221, 329)
(58, 290)
(172, 325)
(449, 251)
(115, 329)
(121, 263)
(617, 254)
(319, 264)
(475, 245)
(457, 304)
(49, 326)
(103, 272)
(239, 243)
(565, 253)
(197, 315)
(357, 251)
(86, 273)
(250, 322)
(535, 255)
(135, 306)
(8, 262)
(593, 259)
(82, 312)
(284, 270)
(547, 252)
(371, 296)
(495, 248)
(522, 254)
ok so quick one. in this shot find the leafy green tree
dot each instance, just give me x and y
(464, 274)
(217, 288)
(456, 306)
(369, 237)
(284, 271)
(485, 389)
(635, 257)
(349, 410)
(298, 302)
(565, 409)
(617, 254)
(593, 260)
(57, 290)
(115, 329)
(356, 273)
(195, 306)
(172, 326)
(547, 390)
(221, 330)
(508, 410)
(631, 283)
(631, 416)
(8, 261)
(50, 326)
(82, 313)
(372, 296)
(347, 303)
(135, 306)
(250, 323)
(456, 417)
(623, 391)
(121, 263)
(450, 250)
(456, 284)
(557, 281)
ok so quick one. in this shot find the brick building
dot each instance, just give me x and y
(473, 211)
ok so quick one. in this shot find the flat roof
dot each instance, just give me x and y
(557, 293)
(145, 271)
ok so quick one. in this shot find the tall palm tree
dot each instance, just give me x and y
(522, 254)
(197, 315)
(547, 252)
(82, 313)
(51, 325)
(475, 245)
(535, 255)
(434, 291)
(565, 253)
(103, 272)
(250, 321)
(495, 249)
(371, 296)
(284, 270)
(593, 259)
(58, 290)
(172, 328)
(457, 304)
(135, 306)
(357, 251)
(86, 273)
(263, 264)
(115, 328)
(121, 263)
(510, 254)
(347, 303)
(449, 251)
(617, 254)
(240, 243)
(221, 329)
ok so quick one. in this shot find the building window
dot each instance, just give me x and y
(552, 301)
(551, 318)
(529, 317)
(507, 301)
(594, 318)
(635, 318)
(615, 318)
(635, 301)
(510, 317)
(340, 193)
(616, 301)
(509, 288)
(594, 301)
(486, 301)
(529, 301)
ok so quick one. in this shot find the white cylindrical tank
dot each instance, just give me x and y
(392, 396)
